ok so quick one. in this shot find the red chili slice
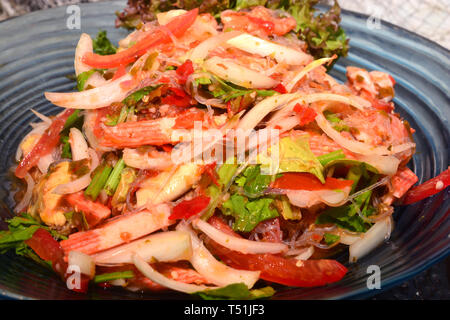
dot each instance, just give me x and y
(177, 26)
(48, 141)
(429, 188)
(188, 208)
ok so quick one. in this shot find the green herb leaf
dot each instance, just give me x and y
(247, 213)
(84, 76)
(98, 181)
(20, 229)
(102, 45)
(113, 276)
(330, 238)
(66, 151)
(347, 217)
(253, 182)
(334, 155)
(236, 291)
(137, 96)
(336, 122)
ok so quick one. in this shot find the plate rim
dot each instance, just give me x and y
(358, 294)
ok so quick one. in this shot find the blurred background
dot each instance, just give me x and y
(429, 18)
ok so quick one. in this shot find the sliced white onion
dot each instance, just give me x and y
(262, 109)
(28, 194)
(157, 160)
(238, 74)
(214, 271)
(387, 165)
(84, 46)
(348, 239)
(371, 239)
(82, 182)
(286, 102)
(334, 198)
(45, 119)
(82, 261)
(78, 145)
(73, 186)
(255, 45)
(163, 246)
(98, 97)
(305, 253)
(200, 52)
(165, 17)
(357, 146)
(160, 279)
(303, 198)
(39, 129)
(238, 244)
(45, 162)
(118, 282)
(305, 70)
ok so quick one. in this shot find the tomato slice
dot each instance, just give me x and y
(428, 188)
(188, 208)
(305, 114)
(177, 26)
(177, 97)
(309, 182)
(280, 88)
(274, 268)
(44, 146)
(184, 71)
(48, 249)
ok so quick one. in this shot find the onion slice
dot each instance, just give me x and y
(214, 271)
(28, 194)
(98, 97)
(357, 146)
(378, 233)
(286, 102)
(238, 244)
(84, 46)
(200, 52)
(158, 278)
(165, 17)
(238, 74)
(163, 246)
(305, 70)
(255, 45)
(82, 261)
(82, 182)
(305, 253)
(78, 145)
(262, 109)
(387, 165)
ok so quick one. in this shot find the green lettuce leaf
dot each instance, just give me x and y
(248, 213)
(321, 32)
(236, 291)
(347, 217)
(294, 155)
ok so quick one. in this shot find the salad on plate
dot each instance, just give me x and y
(211, 153)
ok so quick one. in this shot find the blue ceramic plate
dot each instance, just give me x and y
(36, 55)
